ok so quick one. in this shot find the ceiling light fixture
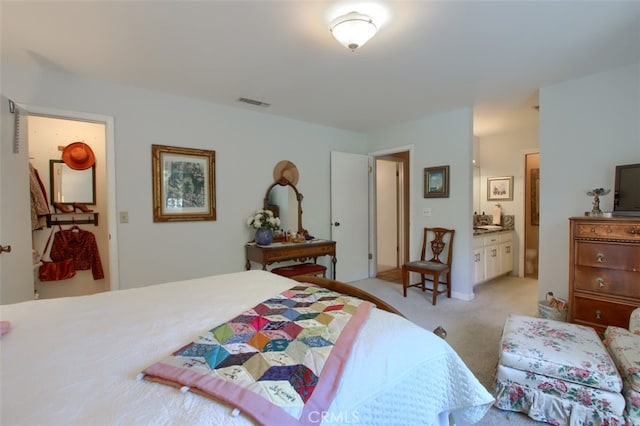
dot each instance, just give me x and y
(353, 29)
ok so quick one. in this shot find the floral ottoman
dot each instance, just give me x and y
(624, 347)
(558, 373)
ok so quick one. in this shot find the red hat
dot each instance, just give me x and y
(78, 156)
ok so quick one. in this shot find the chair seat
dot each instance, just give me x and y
(570, 352)
(300, 269)
(558, 373)
(424, 264)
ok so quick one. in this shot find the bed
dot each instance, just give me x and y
(78, 361)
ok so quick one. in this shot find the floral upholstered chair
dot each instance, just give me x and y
(558, 373)
(624, 347)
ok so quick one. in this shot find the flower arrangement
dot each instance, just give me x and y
(264, 219)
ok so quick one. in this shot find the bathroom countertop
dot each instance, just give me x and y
(479, 231)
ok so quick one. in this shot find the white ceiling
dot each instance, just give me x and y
(427, 57)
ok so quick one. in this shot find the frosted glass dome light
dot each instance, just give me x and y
(353, 30)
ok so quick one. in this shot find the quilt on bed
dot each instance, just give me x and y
(279, 361)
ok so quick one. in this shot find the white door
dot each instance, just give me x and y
(350, 214)
(16, 269)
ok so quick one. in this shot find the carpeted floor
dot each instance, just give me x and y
(473, 328)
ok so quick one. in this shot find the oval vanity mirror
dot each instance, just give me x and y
(72, 186)
(284, 200)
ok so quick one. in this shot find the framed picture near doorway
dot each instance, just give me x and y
(183, 184)
(436, 182)
(500, 188)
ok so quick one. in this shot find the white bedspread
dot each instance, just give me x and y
(75, 361)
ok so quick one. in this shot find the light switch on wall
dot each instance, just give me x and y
(426, 211)
(124, 217)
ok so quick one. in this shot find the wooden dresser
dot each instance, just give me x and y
(604, 272)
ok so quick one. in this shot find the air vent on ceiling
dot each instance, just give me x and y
(254, 102)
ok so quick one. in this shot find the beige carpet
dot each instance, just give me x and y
(473, 328)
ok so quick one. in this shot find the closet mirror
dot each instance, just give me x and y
(71, 186)
(284, 200)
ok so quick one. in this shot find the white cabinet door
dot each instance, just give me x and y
(478, 265)
(491, 261)
(506, 257)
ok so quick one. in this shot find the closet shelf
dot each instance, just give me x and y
(71, 219)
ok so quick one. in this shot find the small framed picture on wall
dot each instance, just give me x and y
(436, 182)
(500, 188)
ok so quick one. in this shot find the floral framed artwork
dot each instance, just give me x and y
(436, 182)
(500, 188)
(183, 184)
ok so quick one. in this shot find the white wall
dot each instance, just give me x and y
(502, 155)
(248, 145)
(587, 127)
(440, 140)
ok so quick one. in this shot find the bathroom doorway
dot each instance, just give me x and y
(392, 215)
(532, 214)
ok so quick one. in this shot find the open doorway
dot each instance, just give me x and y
(47, 138)
(532, 214)
(392, 215)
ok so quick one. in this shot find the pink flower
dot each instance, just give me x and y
(545, 386)
(561, 386)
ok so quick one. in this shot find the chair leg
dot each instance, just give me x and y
(422, 279)
(449, 285)
(405, 281)
(436, 280)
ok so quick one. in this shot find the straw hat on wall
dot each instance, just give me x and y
(78, 156)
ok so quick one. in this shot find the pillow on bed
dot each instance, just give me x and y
(5, 326)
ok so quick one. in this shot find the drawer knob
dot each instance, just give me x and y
(598, 314)
(600, 281)
(600, 258)
(634, 231)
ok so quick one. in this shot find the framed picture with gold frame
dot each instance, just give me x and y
(436, 182)
(183, 184)
(500, 188)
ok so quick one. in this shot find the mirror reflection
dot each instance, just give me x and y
(72, 186)
(476, 190)
(284, 200)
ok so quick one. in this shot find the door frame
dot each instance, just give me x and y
(408, 203)
(108, 122)
(523, 226)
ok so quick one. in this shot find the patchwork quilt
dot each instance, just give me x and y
(279, 362)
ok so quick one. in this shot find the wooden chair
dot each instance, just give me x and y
(442, 239)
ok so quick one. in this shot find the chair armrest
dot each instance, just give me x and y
(634, 321)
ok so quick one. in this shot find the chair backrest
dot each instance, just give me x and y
(441, 240)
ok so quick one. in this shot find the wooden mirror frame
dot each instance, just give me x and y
(284, 182)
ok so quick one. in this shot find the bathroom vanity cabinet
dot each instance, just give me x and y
(492, 255)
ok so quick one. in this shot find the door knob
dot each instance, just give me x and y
(336, 224)
(5, 249)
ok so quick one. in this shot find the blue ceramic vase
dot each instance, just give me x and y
(264, 236)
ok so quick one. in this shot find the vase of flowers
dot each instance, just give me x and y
(264, 222)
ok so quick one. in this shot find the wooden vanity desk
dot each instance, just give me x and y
(281, 252)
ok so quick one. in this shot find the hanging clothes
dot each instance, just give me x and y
(82, 246)
(39, 204)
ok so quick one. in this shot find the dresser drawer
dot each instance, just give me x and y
(610, 231)
(607, 281)
(600, 313)
(603, 255)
